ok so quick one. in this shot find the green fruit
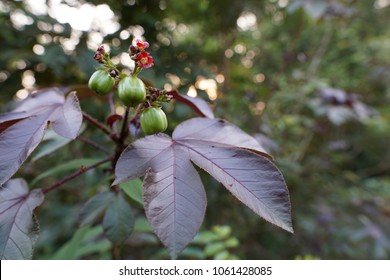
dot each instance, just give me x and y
(131, 91)
(153, 120)
(101, 82)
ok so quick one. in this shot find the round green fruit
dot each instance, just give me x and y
(101, 82)
(131, 91)
(153, 120)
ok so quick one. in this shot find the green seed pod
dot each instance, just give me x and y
(153, 120)
(131, 91)
(101, 82)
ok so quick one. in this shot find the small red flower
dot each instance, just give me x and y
(141, 45)
(144, 60)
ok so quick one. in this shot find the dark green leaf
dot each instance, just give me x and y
(133, 189)
(118, 221)
(94, 207)
(82, 243)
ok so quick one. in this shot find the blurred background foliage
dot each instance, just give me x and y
(308, 78)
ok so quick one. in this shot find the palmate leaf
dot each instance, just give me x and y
(18, 226)
(25, 126)
(174, 197)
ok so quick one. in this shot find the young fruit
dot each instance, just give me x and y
(153, 120)
(131, 91)
(101, 82)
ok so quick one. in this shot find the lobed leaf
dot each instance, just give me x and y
(174, 198)
(18, 227)
(24, 127)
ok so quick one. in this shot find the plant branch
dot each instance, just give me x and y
(123, 134)
(74, 175)
(93, 144)
(99, 125)
(112, 110)
(120, 143)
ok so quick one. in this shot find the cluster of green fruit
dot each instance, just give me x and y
(132, 92)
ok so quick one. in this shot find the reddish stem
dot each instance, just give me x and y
(74, 175)
(99, 125)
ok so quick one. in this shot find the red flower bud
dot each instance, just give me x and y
(133, 50)
(101, 49)
(98, 57)
(141, 45)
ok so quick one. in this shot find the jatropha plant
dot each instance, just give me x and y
(174, 198)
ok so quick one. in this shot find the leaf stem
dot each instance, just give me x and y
(99, 125)
(74, 175)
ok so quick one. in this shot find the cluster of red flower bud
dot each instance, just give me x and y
(141, 57)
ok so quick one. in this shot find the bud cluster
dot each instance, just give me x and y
(131, 89)
(157, 96)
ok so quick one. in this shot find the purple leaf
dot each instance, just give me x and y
(18, 141)
(112, 119)
(19, 229)
(41, 100)
(174, 198)
(253, 179)
(9, 119)
(175, 201)
(148, 152)
(198, 105)
(234, 158)
(67, 118)
(219, 131)
(20, 138)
